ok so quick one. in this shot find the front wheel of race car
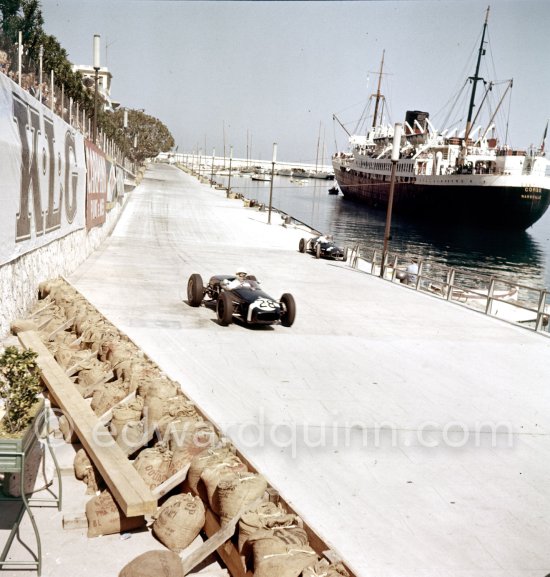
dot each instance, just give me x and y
(302, 245)
(224, 309)
(288, 313)
(195, 290)
(318, 250)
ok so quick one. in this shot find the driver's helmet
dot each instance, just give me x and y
(241, 273)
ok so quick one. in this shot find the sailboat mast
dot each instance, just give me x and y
(317, 157)
(475, 79)
(378, 93)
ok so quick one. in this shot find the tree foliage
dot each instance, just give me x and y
(19, 387)
(144, 137)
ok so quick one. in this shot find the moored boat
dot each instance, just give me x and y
(468, 178)
(300, 173)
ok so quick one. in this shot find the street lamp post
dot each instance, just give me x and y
(212, 169)
(19, 56)
(97, 48)
(273, 160)
(41, 64)
(230, 163)
(397, 131)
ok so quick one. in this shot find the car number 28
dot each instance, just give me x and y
(263, 304)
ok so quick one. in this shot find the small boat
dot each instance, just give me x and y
(284, 172)
(261, 177)
(333, 190)
(300, 173)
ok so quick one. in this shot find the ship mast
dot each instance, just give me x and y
(475, 79)
(378, 93)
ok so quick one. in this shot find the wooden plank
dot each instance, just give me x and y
(227, 551)
(61, 328)
(211, 545)
(90, 388)
(77, 366)
(108, 415)
(42, 309)
(145, 438)
(128, 488)
(170, 483)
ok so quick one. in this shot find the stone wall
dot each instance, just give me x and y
(20, 278)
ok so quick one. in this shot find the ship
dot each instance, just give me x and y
(446, 177)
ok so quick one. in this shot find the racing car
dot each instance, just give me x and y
(323, 247)
(247, 301)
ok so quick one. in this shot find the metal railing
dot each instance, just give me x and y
(495, 296)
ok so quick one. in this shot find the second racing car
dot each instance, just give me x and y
(323, 247)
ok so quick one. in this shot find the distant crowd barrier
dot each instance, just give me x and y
(60, 196)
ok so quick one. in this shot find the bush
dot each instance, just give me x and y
(20, 386)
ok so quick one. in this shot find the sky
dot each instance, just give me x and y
(265, 72)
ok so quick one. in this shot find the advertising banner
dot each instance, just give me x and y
(42, 174)
(96, 185)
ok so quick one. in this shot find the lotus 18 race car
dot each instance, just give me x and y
(247, 301)
(323, 247)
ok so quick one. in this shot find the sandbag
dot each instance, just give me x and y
(153, 465)
(157, 386)
(105, 517)
(120, 350)
(237, 491)
(19, 325)
(190, 434)
(107, 396)
(67, 429)
(160, 395)
(187, 439)
(215, 473)
(46, 287)
(154, 564)
(266, 516)
(123, 414)
(68, 357)
(203, 460)
(92, 372)
(281, 552)
(86, 471)
(179, 521)
(132, 436)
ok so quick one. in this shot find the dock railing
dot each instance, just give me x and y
(495, 296)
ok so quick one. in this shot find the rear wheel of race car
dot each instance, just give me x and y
(288, 314)
(224, 309)
(195, 290)
(302, 245)
(318, 250)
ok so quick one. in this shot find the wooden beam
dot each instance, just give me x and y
(226, 550)
(170, 483)
(128, 488)
(65, 325)
(108, 415)
(42, 309)
(78, 366)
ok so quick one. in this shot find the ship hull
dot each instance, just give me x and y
(468, 201)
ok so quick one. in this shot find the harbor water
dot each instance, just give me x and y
(521, 257)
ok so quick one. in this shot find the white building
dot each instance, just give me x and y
(103, 82)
